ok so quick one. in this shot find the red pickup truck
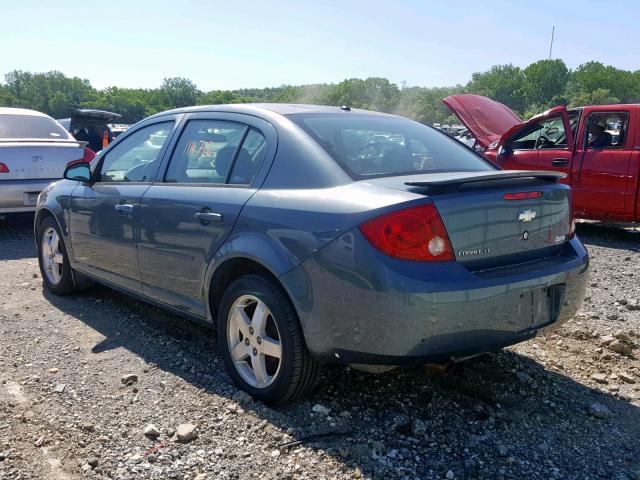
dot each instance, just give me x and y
(598, 147)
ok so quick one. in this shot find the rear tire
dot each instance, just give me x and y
(57, 275)
(261, 342)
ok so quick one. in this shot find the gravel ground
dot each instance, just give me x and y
(82, 379)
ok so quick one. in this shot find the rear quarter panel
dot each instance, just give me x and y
(281, 228)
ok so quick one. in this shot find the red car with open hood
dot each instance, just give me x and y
(597, 147)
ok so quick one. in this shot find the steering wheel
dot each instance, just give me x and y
(542, 140)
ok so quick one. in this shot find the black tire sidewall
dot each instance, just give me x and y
(282, 313)
(66, 284)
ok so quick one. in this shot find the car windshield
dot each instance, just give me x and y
(373, 146)
(31, 126)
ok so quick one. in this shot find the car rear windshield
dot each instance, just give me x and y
(374, 146)
(31, 126)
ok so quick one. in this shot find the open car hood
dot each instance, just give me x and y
(486, 119)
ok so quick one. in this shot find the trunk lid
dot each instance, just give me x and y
(485, 229)
(33, 159)
(486, 119)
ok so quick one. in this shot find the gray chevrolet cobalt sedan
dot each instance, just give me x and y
(310, 234)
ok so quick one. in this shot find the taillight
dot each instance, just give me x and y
(3, 168)
(415, 233)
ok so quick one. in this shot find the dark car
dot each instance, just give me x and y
(91, 126)
(303, 243)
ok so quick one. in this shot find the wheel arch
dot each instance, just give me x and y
(229, 270)
(46, 212)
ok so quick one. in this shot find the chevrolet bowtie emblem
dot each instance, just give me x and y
(37, 159)
(526, 216)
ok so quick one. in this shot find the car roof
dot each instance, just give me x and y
(279, 108)
(21, 111)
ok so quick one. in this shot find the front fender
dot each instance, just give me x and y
(55, 200)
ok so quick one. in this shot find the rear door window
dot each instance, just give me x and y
(607, 130)
(217, 152)
(135, 158)
(249, 159)
(205, 151)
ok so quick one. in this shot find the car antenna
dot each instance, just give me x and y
(346, 108)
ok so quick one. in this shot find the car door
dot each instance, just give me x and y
(103, 219)
(543, 143)
(216, 165)
(605, 188)
(556, 144)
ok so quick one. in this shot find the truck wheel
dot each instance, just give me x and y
(261, 341)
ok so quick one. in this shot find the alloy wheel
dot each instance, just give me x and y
(254, 341)
(52, 257)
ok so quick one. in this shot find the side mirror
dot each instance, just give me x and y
(503, 151)
(79, 171)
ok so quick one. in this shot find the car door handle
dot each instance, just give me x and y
(124, 209)
(560, 162)
(208, 217)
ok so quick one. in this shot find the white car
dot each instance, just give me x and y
(34, 151)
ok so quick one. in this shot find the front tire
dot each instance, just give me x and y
(55, 269)
(261, 342)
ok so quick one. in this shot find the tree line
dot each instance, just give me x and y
(527, 91)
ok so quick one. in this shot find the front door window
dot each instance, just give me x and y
(135, 158)
(548, 133)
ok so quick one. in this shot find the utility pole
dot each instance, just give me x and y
(553, 31)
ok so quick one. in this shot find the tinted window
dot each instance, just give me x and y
(369, 145)
(607, 130)
(135, 158)
(205, 152)
(31, 126)
(249, 159)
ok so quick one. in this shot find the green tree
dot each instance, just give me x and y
(545, 82)
(217, 97)
(373, 93)
(600, 96)
(179, 92)
(503, 83)
(591, 77)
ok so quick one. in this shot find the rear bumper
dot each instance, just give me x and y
(359, 306)
(14, 194)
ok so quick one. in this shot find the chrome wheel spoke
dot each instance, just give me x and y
(240, 352)
(55, 273)
(259, 370)
(46, 246)
(259, 318)
(58, 258)
(271, 347)
(240, 321)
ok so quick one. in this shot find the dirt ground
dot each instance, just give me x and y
(82, 377)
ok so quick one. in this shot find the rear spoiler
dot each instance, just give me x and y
(456, 179)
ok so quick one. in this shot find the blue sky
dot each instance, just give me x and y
(253, 43)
